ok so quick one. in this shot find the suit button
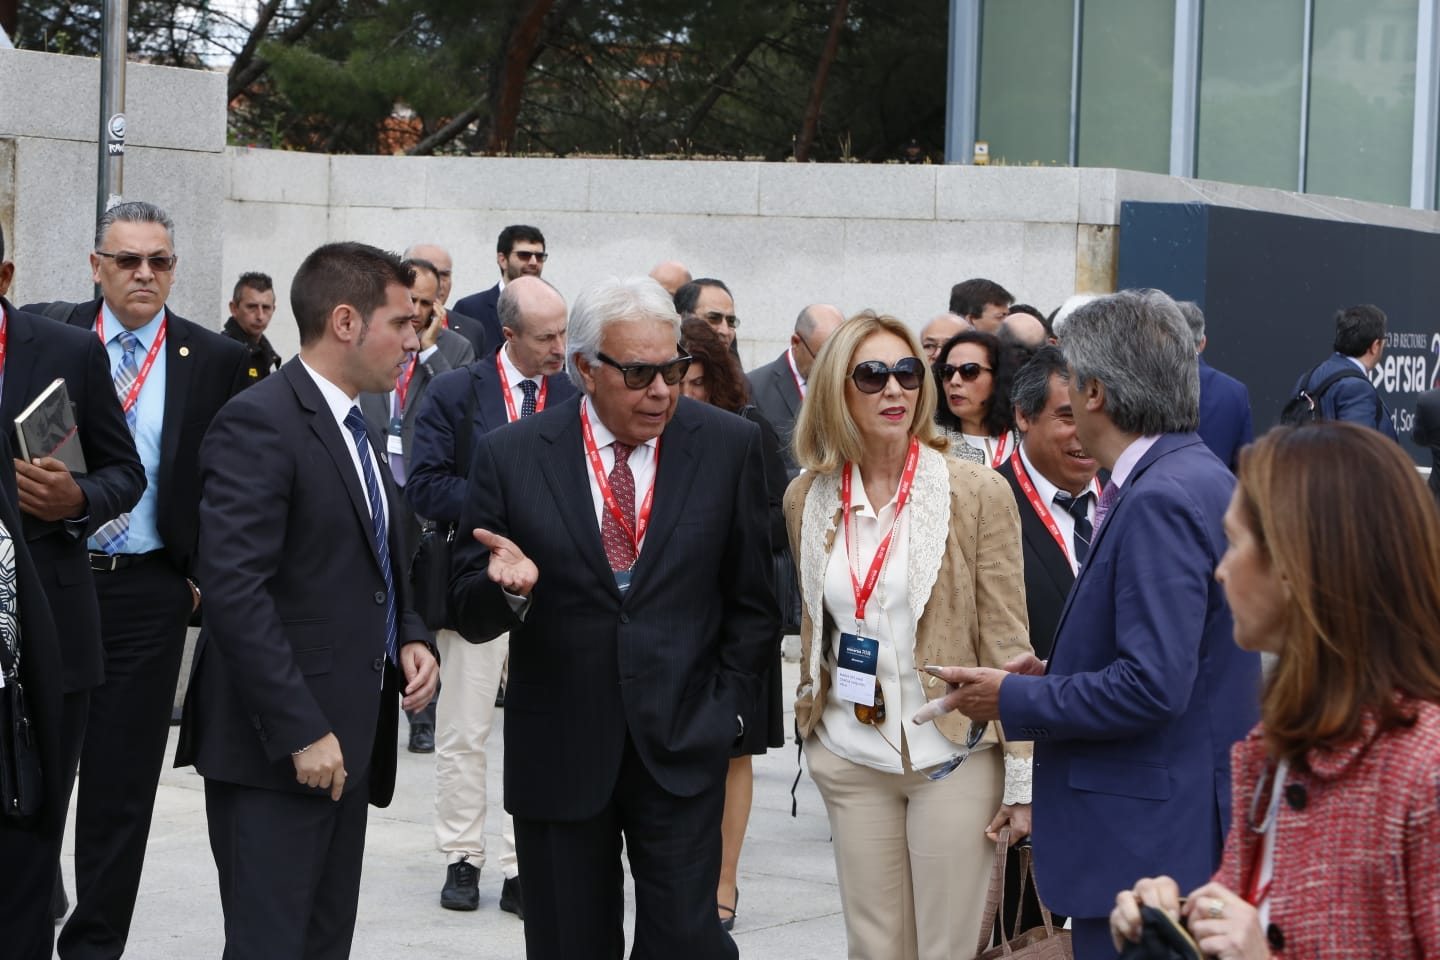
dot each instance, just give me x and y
(380, 596)
(624, 617)
(255, 720)
(378, 665)
(1275, 937)
(1296, 796)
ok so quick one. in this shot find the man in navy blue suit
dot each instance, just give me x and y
(519, 252)
(1359, 342)
(520, 379)
(1225, 424)
(1145, 691)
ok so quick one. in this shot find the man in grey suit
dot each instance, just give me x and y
(392, 414)
(778, 387)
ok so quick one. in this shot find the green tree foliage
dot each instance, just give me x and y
(729, 78)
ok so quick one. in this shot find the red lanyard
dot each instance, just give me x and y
(1023, 478)
(642, 520)
(510, 398)
(877, 563)
(134, 394)
(795, 372)
(4, 336)
(1000, 448)
(403, 387)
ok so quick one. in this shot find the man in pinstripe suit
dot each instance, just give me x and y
(621, 539)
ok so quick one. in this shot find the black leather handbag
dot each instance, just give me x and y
(20, 786)
(430, 567)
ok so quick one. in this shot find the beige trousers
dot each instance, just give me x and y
(469, 679)
(910, 854)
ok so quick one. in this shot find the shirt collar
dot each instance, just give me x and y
(1044, 489)
(513, 376)
(1129, 458)
(145, 334)
(800, 378)
(601, 433)
(336, 399)
(1356, 361)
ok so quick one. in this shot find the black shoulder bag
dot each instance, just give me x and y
(430, 570)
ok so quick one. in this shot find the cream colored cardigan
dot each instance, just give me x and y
(966, 576)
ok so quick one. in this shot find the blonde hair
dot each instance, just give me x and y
(826, 437)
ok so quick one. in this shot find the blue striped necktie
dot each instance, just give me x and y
(356, 423)
(111, 537)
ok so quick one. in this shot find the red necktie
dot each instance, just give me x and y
(619, 548)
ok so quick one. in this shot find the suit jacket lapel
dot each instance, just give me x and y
(565, 471)
(1055, 563)
(674, 476)
(337, 444)
(784, 384)
(179, 368)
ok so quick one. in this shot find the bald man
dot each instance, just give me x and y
(672, 275)
(940, 328)
(467, 327)
(778, 387)
(1025, 330)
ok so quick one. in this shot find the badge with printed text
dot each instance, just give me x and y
(855, 669)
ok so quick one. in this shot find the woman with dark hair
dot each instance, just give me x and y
(973, 373)
(715, 378)
(1334, 848)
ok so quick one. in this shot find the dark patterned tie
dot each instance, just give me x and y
(356, 423)
(1107, 499)
(619, 548)
(1078, 508)
(112, 536)
(527, 406)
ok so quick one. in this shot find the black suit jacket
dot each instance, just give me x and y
(202, 371)
(39, 351)
(773, 390)
(469, 328)
(435, 487)
(1047, 572)
(483, 308)
(671, 662)
(294, 640)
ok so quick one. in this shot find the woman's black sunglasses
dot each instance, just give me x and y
(969, 372)
(872, 375)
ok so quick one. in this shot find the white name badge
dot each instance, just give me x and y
(855, 669)
(394, 444)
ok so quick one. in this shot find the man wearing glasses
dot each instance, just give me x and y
(621, 539)
(711, 301)
(171, 377)
(778, 387)
(520, 252)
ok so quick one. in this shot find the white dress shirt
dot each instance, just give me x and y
(890, 622)
(643, 461)
(800, 381)
(340, 404)
(513, 376)
(1046, 491)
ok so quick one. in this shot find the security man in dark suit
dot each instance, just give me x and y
(519, 252)
(171, 376)
(623, 542)
(308, 639)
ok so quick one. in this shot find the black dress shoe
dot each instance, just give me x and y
(500, 695)
(422, 738)
(510, 899)
(462, 886)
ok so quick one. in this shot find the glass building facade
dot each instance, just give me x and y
(1336, 97)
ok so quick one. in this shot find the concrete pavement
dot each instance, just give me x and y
(789, 905)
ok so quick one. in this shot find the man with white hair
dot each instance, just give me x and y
(621, 539)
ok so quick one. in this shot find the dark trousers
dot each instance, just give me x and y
(574, 883)
(29, 859)
(289, 867)
(143, 613)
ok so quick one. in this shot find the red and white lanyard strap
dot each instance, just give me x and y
(4, 336)
(1023, 478)
(877, 563)
(1001, 447)
(642, 517)
(403, 387)
(795, 372)
(129, 402)
(510, 397)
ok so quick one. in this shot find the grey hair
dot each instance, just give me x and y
(133, 211)
(1136, 343)
(1030, 390)
(507, 308)
(1194, 319)
(1062, 312)
(614, 301)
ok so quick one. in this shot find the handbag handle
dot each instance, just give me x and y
(995, 896)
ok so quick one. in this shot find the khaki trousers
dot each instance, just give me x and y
(465, 711)
(910, 854)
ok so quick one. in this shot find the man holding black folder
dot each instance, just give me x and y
(60, 510)
(171, 376)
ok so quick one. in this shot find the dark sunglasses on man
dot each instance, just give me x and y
(527, 255)
(638, 376)
(969, 372)
(131, 261)
(872, 375)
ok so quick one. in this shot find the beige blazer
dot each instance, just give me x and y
(967, 579)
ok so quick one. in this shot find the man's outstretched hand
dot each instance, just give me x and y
(509, 567)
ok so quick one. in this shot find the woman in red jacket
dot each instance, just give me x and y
(1334, 846)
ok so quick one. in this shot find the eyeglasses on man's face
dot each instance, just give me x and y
(638, 376)
(527, 255)
(159, 263)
